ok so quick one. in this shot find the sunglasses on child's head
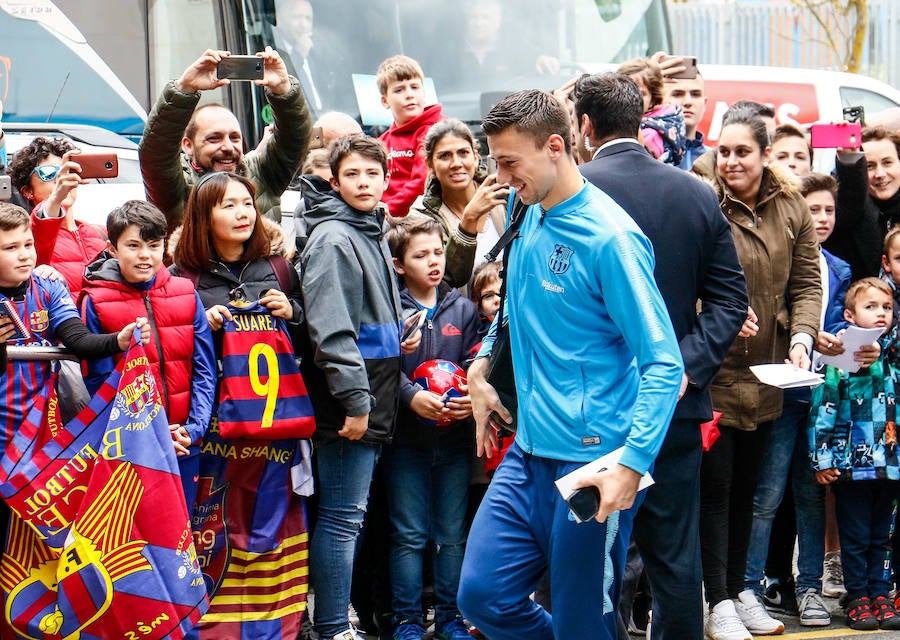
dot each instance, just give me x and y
(47, 172)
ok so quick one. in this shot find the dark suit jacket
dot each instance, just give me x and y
(695, 258)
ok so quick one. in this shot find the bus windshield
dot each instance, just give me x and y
(470, 50)
(103, 63)
(49, 73)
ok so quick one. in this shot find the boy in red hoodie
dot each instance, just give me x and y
(401, 83)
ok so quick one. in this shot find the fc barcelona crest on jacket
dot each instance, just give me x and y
(560, 259)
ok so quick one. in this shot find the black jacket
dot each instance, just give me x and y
(449, 335)
(861, 222)
(217, 281)
(353, 315)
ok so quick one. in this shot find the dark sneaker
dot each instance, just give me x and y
(887, 615)
(832, 575)
(455, 629)
(860, 615)
(780, 597)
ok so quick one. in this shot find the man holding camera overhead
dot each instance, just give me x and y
(182, 141)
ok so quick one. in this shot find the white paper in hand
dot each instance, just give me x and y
(565, 484)
(786, 376)
(853, 338)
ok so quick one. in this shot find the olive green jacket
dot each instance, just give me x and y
(779, 252)
(169, 175)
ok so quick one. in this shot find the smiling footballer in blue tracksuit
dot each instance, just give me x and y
(597, 367)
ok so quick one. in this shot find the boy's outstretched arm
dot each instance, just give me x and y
(204, 374)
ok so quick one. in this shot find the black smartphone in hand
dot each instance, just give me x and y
(241, 68)
(584, 503)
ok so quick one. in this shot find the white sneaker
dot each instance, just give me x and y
(754, 616)
(723, 623)
(833, 576)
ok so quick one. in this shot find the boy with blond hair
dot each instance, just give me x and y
(402, 85)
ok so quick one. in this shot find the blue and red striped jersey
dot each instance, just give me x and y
(45, 305)
(262, 394)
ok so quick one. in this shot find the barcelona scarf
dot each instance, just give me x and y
(99, 545)
(262, 394)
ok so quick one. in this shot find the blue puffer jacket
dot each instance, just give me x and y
(449, 334)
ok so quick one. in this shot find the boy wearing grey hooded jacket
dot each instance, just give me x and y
(353, 314)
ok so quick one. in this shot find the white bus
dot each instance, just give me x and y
(102, 62)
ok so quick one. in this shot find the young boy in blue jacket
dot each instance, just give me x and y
(853, 444)
(428, 465)
(129, 279)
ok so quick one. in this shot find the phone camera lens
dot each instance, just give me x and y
(108, 165)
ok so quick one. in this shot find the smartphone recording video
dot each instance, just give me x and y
(97, 165)
(240, 68)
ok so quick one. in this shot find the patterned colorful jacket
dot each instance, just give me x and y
(852, 423)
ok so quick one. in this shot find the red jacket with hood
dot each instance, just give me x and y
(406, 161)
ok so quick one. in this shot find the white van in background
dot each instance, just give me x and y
(799, 96)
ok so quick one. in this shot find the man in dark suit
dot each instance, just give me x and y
(695, 260)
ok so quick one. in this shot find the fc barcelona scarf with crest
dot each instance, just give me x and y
(99, 545)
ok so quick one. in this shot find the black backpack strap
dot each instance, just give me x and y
(512, 230)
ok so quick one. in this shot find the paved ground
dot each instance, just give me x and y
(838, 629)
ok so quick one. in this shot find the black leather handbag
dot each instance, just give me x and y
(500, 374)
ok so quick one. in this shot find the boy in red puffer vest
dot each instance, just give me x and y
(128, 280)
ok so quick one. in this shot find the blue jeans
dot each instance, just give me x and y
(785, 456)
(428, 492)
(522, 527)
(344, 472)
(863, 509)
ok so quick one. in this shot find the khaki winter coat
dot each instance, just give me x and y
(779, 252)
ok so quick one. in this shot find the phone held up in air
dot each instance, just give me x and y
(855, 114)
(690, 68)
(240, 68)
(97, 165)
(5, 188)
(844, 135)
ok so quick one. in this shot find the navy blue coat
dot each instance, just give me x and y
(695, 259)
(449, 335)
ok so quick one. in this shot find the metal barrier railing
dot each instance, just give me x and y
(14, 352)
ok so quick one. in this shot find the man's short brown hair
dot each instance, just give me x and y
(533, 113)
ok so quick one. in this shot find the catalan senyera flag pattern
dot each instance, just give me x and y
(251, 536)
(99, 543)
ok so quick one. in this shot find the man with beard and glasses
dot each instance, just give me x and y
(210, 137)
